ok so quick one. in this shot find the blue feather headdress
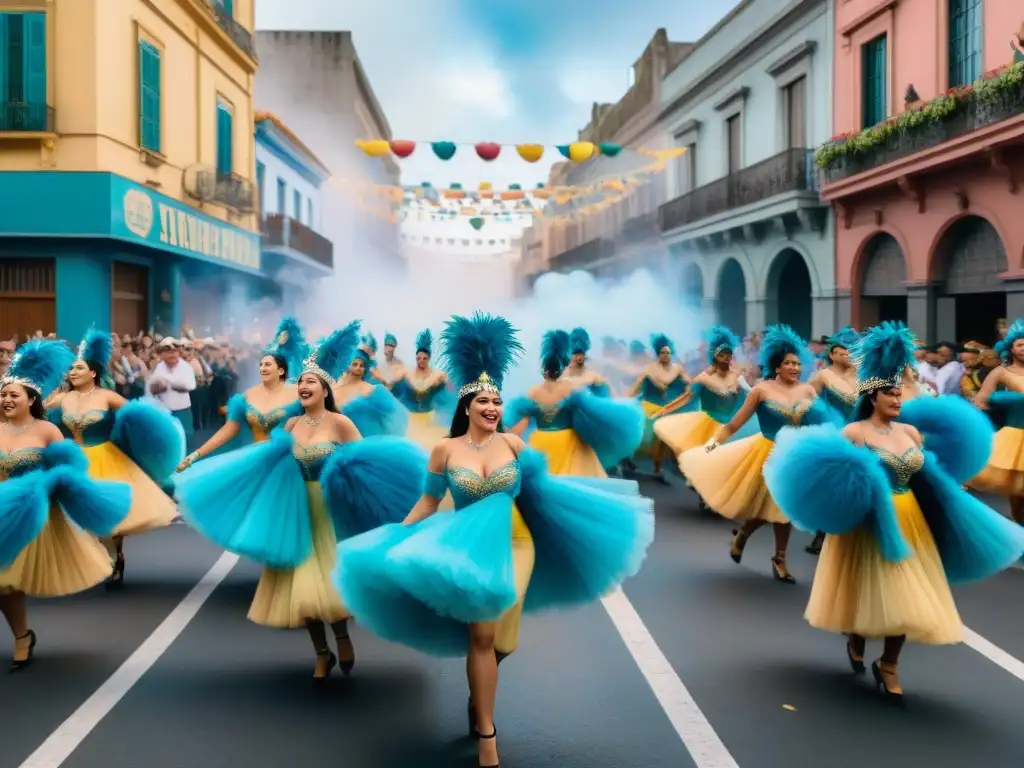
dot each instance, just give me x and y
(660, 341)
(370, 342)
(882, 355)
(331, 356)
(425, 342)
(478, 351)
(555, 351)
(40, 365)
(719, 338)
(637, 347)
(96, 348)
(579, 340)
(1014, 332)
(845, 337)
(289, 343)
(390, 340)
(779, 341)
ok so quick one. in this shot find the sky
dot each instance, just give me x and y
(526, 71)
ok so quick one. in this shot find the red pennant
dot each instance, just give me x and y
(403, 148)
(487, 150)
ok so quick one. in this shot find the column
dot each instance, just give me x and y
(823, 317)
(756, 319)
(921, 311)
(1014, 299)
(82, 286)
(165, 294)
(843, 308)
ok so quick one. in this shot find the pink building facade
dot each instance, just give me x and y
(925, 172)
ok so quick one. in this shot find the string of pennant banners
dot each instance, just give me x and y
(488, 151)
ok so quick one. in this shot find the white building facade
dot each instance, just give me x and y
(746, 229)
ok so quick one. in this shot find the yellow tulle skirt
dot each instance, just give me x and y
(856, 591)
(730, 481)
(683, 431)
(289, 599)
(1004, 473)
(151, 507)
(567, 454)
(424, 430)
(506, 633)
(62, 560)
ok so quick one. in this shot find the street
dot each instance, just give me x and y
(588, 689)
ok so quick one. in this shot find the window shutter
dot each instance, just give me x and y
(4, 88)
(34, 52)
(149, 97)
(224, 140)
(229, 7)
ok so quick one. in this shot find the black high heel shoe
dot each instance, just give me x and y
(345, 665)
(116, 580)
(857, 665)
(780, 572)
(814, 548)
(18, 665)
(739, 543)
(492, 735)
(893, 696)
(332, 662)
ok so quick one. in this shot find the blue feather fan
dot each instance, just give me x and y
(334, 353)
(97, 348)
(425, 342)
(479, 344)
(41, 364)
(554, 351)
(883, 353)
(290, 343)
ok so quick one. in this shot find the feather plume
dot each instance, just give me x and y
(97, 347)
(370, 341)
(637, 347)
(845, 337)
(390, 339)
(479, 344)
(332, 355)
(425, 342)
(555, 351)
(579, 340)
(40, 364)
(719, 337)
(779, 341)
(1014, 332)
(659, 341)
(882, 354)
(289, 343)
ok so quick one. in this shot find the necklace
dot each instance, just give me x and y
(882, 431)
(314, 423)
(271, 390)
(15, 431)
(480, 446)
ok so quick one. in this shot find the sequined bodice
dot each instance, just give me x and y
(900, 468)
(551, 418)
(844, 402)
(772, 416)
(652, 393)
(417, 395)
(262, 424)
(721, 406)
(91, 427)
(311, 459)
(19, 461)
(467, 486)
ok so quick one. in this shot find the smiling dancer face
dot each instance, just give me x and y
(314, 394)
(273, 370)
(839, 356)
(788, 371)
(484, 412)
(723, 360)
(422, 360)
(83, 375)
(19, 403)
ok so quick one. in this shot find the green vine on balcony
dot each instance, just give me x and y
(990, 89)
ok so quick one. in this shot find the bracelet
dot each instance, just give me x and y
(193, 457)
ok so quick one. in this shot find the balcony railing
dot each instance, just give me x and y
(790, 171)
(584, 255)
(241, 36)
(639, 228)
(17, 116)
(234, 191)
(285, 232)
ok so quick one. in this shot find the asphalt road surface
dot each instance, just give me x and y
(700, 663)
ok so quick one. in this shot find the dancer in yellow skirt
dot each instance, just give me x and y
(286, 502)
(658, 384)
(1002, 394)
(50, 511)
(728, 477)
(899, 527)
(129, 441)
(578, 431)
(425, 392)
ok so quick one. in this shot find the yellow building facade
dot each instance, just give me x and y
(143, 104)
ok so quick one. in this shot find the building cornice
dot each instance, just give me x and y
(791, 57)
(737, 94)
(202, 13)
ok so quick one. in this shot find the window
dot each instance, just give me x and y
(735, 146)
(297, 205)
(964, 41)
(226, 6)
(282, 196)
(225, 138)
(309, 212)
(261, 172)
(795, 95)
(690, 166)
(23, 72)
(149, 97)
(874, 73)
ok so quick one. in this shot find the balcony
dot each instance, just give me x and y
(284, 232)
(640, 229)
(790, 171)
(235, 192)
(241, 36)
(20, 117)
(952, 117)
(583, 256)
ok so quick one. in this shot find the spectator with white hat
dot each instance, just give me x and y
(171, 384)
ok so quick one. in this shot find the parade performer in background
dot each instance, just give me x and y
(425, 392)
(1002, 394)
(728, 477)
(579, 432)
(900, 528)
(391, 367)
(50, 510)
(133, 442)
(659, 383)
(252, 415)
(373, 409)
(455, 584)
(286, 502)
(578, 372)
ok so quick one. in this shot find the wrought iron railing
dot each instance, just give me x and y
(285, 232)
(583, 255)
(241, 36)
(790, 171)
(21, 116)
(235, 191)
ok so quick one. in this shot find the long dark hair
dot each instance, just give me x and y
(35, 408)
(329, 404)
(866, 403)
(830, 347)
(460, 419)
(281, 363)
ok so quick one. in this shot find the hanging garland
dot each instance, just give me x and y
(488, 151)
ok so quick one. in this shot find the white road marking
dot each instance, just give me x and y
(700, 739)
(994, 653)
(58, 747)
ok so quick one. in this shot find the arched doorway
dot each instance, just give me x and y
(693, 285)
(789, 293)
(883, 290)
(966, 266)
(731, 300)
